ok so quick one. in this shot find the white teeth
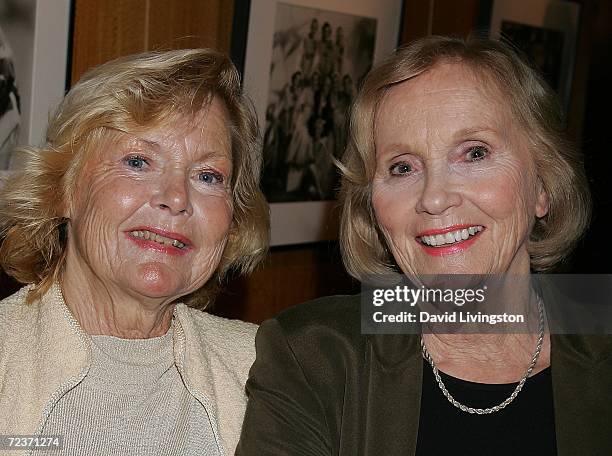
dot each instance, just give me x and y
(147, 235)
(451, 237)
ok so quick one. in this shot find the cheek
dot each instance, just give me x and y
(519, 198)
(508, 201)
(392, 210)
(215, 215)
(101, 209)
(106, 192)
(498, 198)
(111, 202)
(123, 201)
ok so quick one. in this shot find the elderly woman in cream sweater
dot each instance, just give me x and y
(122, 226)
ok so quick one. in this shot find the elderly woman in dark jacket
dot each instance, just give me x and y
(457, 164)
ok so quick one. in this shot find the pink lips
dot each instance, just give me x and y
(458, 247)
(152, 245)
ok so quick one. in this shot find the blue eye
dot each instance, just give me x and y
(400, 168)
(209, 177)
(477, 153)
(136, 162)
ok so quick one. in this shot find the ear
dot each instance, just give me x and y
(542, 201)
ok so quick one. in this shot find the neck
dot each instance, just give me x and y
(487, 358)
(104, 309)
(495, 358)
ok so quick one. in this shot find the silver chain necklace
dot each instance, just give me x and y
(516, 391)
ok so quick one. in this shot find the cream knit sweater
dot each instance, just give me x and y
(44, 354)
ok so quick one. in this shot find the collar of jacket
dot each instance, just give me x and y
(581, 369)
(58, 357)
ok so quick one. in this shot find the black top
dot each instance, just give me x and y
(526, 426)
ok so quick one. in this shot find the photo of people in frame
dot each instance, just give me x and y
(318, 59)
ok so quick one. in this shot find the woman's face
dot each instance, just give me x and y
(153, 209)
(455, 189)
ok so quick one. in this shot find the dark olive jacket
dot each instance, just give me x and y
(320, 387)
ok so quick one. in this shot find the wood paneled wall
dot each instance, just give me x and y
(104, 30)
(289, 276)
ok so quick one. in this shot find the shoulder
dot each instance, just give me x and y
(16, 313)
(330, 328)
(325, 326)
(15, 301)
(332, 313)
(232, 340)
(217, 327)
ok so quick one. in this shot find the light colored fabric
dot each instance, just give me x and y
(133, 397)
(44, 354)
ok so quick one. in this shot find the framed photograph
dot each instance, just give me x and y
(34, 41)
(546, 32)
(302, 61)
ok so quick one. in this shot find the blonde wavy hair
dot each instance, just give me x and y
(126, 94)
(558, 164)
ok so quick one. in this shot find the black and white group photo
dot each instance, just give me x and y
(318, 59)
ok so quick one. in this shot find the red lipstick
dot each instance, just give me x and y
(153, 245)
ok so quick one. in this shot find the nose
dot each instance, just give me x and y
(172, 194)
(438, 194)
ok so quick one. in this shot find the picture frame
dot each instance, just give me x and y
(256, 22)
(546, 32)
(36, 39)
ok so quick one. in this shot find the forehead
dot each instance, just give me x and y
(448, 90)
(210, 123)
(205, 131)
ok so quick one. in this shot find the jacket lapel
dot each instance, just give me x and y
(394, 371)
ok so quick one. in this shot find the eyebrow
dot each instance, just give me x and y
(474, 130)
(130, 140)
(405, 148)
(392, 148)
(133, 139)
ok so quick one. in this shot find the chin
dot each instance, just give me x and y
(157, 281)
(454, 266)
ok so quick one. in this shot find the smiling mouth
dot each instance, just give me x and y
(450, 238)
(154, 237)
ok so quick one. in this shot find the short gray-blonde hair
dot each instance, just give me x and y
(558, 163)
(130, 93)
